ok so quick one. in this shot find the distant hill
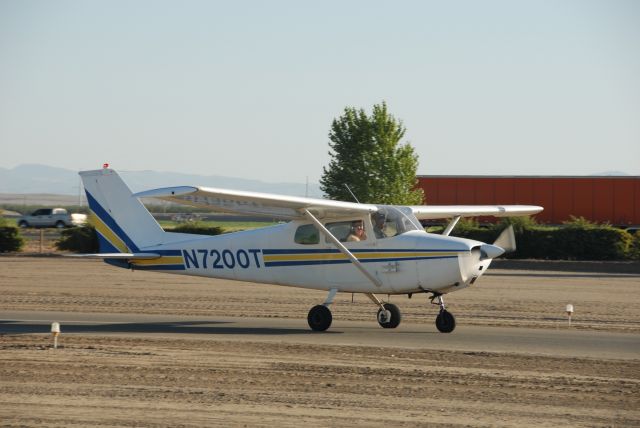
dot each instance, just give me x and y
(613, 174)
(32, 178)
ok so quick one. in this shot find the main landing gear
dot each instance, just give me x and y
(390, 317)
(320, 317)
(445, 321)
(388, 314)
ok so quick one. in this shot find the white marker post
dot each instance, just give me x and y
(569, 310)
(55, 332)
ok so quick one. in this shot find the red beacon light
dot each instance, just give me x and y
(105, 165)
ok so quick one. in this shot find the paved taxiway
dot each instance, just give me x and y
(553, 341)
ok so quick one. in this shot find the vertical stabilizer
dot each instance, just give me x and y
(122, 222)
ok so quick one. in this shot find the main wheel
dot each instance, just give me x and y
(445, 322)
(23, 224)
(60, 224)
(392, 317)
(319, 318)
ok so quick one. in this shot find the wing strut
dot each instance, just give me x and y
(451, 225)
(343, 249)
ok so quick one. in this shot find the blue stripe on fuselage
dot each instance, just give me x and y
(110, 222)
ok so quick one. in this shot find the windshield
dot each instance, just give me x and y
(391, 221)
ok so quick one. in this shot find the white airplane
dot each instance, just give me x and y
(327, 245)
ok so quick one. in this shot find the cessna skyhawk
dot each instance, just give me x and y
(325, 245)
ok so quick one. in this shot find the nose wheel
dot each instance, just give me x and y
(445, 321)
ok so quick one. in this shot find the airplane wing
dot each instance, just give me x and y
(428, 212)
(292, 207)
(253, 203)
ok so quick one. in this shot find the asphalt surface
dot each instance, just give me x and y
(566, 342)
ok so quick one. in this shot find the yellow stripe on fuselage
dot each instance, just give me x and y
(361, 256)
(107, 233)
(296, 257)
(404, 255)
(165, 260)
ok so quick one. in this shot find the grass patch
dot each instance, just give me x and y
(227, 226)
(9, 222)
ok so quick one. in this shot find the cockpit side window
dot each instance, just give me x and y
(390, 221)
(347, 231)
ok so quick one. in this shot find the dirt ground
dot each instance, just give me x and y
(108, 380)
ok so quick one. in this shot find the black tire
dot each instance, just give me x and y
(60, 224)
(319, 318)
(445, 322)
(23, 224)
(396, 317)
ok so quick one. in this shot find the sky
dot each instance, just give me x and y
(250, 88)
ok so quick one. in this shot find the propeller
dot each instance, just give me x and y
(506, 243)
(507, 240)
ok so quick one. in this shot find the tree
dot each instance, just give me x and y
(366, 154)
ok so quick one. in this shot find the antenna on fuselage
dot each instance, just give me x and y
(354, 196)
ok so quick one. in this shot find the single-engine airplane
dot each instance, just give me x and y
(326, 245)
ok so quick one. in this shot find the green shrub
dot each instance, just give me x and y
(85, 240)
(578, 239)
(603, 243)
(79, 240)
(634, 249)
(471, 229)
(10, 239)
(197, 228)
(519, 223)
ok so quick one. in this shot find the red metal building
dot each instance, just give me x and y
(613, 199)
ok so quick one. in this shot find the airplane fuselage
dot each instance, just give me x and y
(411, 262)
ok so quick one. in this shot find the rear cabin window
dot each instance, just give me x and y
(307, 234)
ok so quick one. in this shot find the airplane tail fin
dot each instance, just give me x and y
(123, 224)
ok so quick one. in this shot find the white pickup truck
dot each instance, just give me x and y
(52, 217)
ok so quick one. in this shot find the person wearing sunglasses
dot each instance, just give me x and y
(357, 232)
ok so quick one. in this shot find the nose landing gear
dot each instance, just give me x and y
(445, 321)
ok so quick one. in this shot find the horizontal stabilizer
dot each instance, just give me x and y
(118, 256)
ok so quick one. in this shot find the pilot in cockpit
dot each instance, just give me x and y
(379, 224)
(357, 232)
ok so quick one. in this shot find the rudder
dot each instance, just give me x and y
(123, 224)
